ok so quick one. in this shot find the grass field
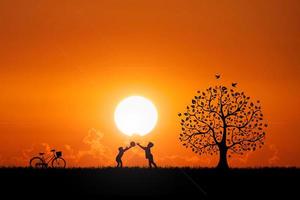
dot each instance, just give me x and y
(141, 182)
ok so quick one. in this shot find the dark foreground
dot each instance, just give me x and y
(139, 182)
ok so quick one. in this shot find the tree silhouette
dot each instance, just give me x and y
(222, 121)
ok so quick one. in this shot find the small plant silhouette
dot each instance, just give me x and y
(222, 121)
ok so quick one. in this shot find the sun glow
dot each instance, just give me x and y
(136, 115)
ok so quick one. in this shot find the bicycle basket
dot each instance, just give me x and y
(58, 154)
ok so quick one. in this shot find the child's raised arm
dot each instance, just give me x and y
(144, 148)
(126, 148)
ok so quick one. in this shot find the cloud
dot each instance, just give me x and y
(243, 159)
(26, 154)
(95, 154)
(191, 161)
(2, 161)
(268, 156)
(274, 158)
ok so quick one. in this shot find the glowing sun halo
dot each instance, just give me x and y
(135, 115)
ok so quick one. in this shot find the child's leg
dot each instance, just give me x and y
(119, 162)
(154, 164)
(149, 163)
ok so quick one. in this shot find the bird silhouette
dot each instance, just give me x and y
(218, 76)
(234, 84)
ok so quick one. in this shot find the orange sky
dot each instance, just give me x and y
(65, 65)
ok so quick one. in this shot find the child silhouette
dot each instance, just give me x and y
(121, 153)
(148, 153)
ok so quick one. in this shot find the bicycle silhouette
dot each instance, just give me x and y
(55, 160)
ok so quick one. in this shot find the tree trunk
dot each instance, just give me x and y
(223, 164)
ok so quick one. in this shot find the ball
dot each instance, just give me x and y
(132, 144)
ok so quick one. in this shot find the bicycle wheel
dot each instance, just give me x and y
(58, 163)
(37, 162)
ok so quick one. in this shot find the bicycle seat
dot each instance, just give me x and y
(41, 154)
(52, 150)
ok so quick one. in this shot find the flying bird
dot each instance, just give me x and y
(218, 76)
(233, 84)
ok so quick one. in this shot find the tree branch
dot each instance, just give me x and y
(246, 140)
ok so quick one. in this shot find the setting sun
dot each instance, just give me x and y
(203, 92)
(135, 115)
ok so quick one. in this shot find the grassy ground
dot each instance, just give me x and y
(141, 182)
